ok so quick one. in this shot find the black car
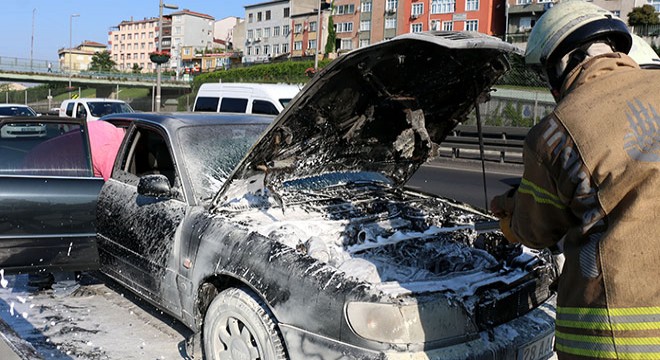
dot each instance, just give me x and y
(297, 238)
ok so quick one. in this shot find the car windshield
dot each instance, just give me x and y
(100, 108)
(16, 111)
(212, 152)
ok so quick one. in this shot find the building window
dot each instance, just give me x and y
(267, 32)
(472, 5)
(365, 25)
(259, 16)
(258, 33)
(177, 30)
(287, 11)
(418, 9)
(297, 28)
(391, 5)
(443, 6)
(448, 25)
(390, 23)
(267, 15)
(523, 2)
(285, 30)
(151, 34)
(364, 42)
(312, 26)
(266, 49)
(297, 45)
(250, 35)
(417, 27)
(311, 44)
(344, 27)
(285, 48)
(116, 37)
(276, 49)
(186, 51)
(365, 7)
(276, 31)
(617, 13)
(471, 25)
(130, 36)
(250, 18)
(256, 50)
(346, 44)
(344, 9)
(525, 23)
(435, 25)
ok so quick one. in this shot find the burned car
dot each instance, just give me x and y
(297, 238)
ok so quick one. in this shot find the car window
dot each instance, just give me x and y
(264, 107)
(234, 105)
(44, 149)
(285, 102)
(100, 108)
(149, 154)
(212, 152)
(69, 109)
(81, 112)
(16, 111)
(204, 103)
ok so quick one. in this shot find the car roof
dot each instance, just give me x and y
(15, 105)
(94, 99)
(173, 121)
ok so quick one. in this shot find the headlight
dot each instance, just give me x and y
(409, 324)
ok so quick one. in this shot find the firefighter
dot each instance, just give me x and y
(591, 184)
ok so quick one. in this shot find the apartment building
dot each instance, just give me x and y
(223, 29)
(79, 58)
(189, 29)
(485, 16)
(267, 31)
(308, 37)
(131, 42)
(521, 15)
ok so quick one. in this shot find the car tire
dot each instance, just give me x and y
(238, 325)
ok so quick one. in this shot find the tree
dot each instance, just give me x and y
(330, 42)
(644, 15)
(136, 69)
(102, 61)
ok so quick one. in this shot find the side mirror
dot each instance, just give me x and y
(154, 186)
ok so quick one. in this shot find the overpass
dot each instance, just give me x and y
(37, 71)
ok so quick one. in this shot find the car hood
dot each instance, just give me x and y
(378, 109)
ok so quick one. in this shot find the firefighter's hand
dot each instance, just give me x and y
(505, 227)
(497, 206)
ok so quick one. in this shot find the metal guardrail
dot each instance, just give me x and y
(499, 139)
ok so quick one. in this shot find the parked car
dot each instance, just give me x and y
(296, 238)
(20, 129)
(93, 108)
(247, 98)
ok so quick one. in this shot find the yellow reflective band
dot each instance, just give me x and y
(539, 194)
(636, 341)
(651, 310)
(607, 326)
(607, 354)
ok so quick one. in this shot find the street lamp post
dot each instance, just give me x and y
(318, 32)
(71, 47)
(160, 48)
(32, 38)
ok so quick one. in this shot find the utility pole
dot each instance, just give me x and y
(32, 39)
(160, 48)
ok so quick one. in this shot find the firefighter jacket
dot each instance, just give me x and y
(591, 184)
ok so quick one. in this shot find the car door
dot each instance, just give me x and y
(136, 230)
(48, 196)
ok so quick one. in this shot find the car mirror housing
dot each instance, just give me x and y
(155, 186)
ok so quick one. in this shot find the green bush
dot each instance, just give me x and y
(288, 72)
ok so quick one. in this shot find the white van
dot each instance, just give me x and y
(93, 108)
(246, 98)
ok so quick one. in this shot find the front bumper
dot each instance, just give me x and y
(504, 342)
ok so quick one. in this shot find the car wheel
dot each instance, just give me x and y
(238, 325)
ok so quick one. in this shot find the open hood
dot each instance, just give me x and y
(377, 109)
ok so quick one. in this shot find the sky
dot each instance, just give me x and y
(52, 17)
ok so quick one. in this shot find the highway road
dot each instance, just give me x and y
(462, 179)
